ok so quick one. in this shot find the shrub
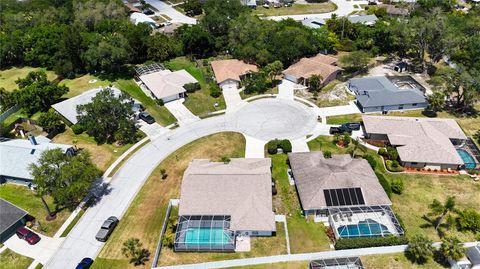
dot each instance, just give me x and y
(382, 152)
(366, 242)
(192, 87)
(385, 184)
(397, 186)
(285, 145)
(77, 129)
(392, 153)
(160, 102)
(272, 146)
(371, 160)
(469, 220)
(215, 91)
(395, 164)
(327, 154)
(51, 122)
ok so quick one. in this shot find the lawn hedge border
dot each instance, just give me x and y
(367, 242)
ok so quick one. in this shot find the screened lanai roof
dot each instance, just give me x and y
(337, 263)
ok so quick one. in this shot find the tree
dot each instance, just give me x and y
(37, 93)
(108, 117)
(469, 220)
(219, 14)
(358, 146)
(273, 69)
(420, 248)
(6, 100)
(441, 210)
(315, 82)
(193, 6)
(355, 60)
(255, 82)
(196, 40)
(107, 52)
(161, 47)
(65, 177)
(452, 248)
(132, 248)
(51, 122)
(436, 101)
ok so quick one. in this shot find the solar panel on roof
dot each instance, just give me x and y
(344, 197)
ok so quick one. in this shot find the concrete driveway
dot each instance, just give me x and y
(180, 112)
(42, 251)
(231, 94)
(171, 12)
(351, 108)
(151, 130)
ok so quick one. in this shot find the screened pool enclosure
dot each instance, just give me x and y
(204, 234)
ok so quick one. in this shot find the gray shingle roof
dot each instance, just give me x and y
(9, 214)
(363, 19)
(313, 22)
(379, 91)
(240, 189)
(313, 174)
(17, 154)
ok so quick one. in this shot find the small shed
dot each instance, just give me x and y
(11, 218)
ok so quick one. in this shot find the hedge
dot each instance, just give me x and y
(371, 160)
(385, 184)
(77, 129)
(367, 242)
(273, 145)
(191, 87)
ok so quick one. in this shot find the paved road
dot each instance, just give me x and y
(344, 8)
(251, 119)
(171, 12)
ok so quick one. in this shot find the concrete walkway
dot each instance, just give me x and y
(300, 145)
(180, 112)
(41, 251)
(255, 148)
(344, 9)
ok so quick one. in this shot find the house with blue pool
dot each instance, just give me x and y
(223, 204)
(423, 142)
(344, 193)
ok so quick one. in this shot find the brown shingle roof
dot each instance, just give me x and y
(240, 189)
(313, 174)
(231, 69)
(422, 140)
(318, 65)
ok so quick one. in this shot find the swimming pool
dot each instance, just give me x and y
(207, 237)
(467, 159)
(365, 228)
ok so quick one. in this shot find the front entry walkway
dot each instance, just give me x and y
(41, 251)
(299, 145)
(231, 94)
(180, 112)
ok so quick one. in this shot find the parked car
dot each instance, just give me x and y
(339, 130)
(27, 235)
(352, 125)
(107, 228)
(146, 117)
(85, 263)
(148, 12)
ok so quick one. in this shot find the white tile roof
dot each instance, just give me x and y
(166, 83)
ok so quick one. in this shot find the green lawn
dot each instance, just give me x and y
(24, 198)
(145, 215)
(9, 76)
(160, 113)
(305, 235)
(295, 9)
(12, 260)
(396, 261)
(420, 190)
(273, 90)
(81, 84)
(199, 102)
(280, 265)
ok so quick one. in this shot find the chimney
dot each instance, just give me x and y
(32, 139)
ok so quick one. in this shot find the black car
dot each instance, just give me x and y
(148, 12)
(146, 117)
(340, 130)
(85, 263)
(107, 228)
(352, 126)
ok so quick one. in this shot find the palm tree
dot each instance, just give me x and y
(357, 146)
(315, 82)
(441, 210)
(132, 248)
(451, 248)
(420, 248)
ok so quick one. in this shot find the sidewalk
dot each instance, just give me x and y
(255, 148)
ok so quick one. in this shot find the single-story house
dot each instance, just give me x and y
(471, 260)
(420, 142)
(167, 85)
(313, 22)
(343, 192)
(249, 3)
(138, 17)
(17, 154)
(222, 201)
(68, 108)
(11, 218)
(368, 20)
(322, 65)
(231, 72)
(380, 94)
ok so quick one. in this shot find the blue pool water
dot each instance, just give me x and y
(206, 237)
(365, 228)
(467, 159)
